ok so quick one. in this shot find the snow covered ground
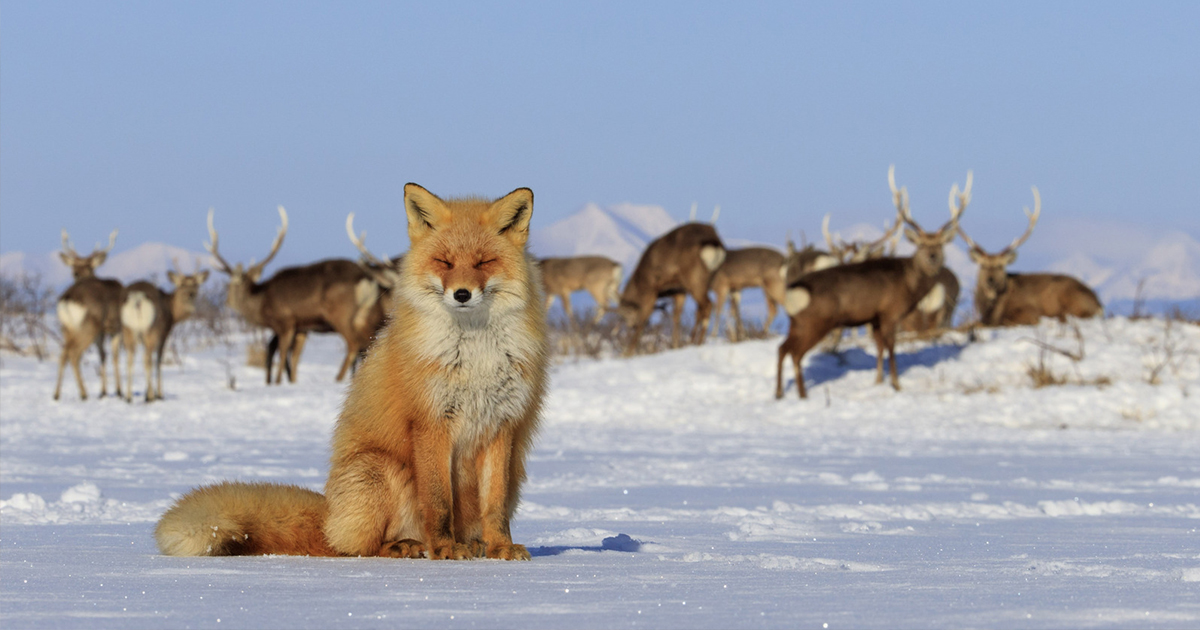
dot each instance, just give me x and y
(666, 491)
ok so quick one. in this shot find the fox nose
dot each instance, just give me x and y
(462, 295)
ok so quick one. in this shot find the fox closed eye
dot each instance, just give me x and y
(449, 265)
(481, 263)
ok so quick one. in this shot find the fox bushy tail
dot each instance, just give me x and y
(241, 519)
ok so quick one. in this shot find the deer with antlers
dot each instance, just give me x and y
(806, 260)
(858, 251)
(878, 292)
(323, 296)
(600, 276)
(678, 263)
(1013, 299)
(88, 313)
(147, 316)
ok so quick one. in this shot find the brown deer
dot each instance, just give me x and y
(147, 316)
(88, 313)
(751, 267)
(598, 275)
(935, 311)
(878, 292)
(805, 260)
(1014, 299)
(323, 296)
(680, 261)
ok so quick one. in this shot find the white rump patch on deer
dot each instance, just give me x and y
(71, 314)
(932, 302)
(783, 271)
(366, 294)
(712, 256)
(824, 261)
(796, 300)
(138, 312)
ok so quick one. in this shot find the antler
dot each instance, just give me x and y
(716, 213)
(1033, 217)
(900, 198)
(888, 234)
(359, 242)
(212, 246)
(959, 200)
(112, 240)
(68, 248)
(257, 268)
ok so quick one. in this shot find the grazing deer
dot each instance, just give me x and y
(878, 292)
(680, 261)
(760, 267)
(88, 312)
(320, 297)
(1014, 299)
(147, 316)
(598, 275)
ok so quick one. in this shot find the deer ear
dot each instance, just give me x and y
(976, 256)
(912, 236)
(426, 212)
(948, 235)
(1011, 258)
(98, 259)
(65, 258)
(201, 277)
(176, 278)
(510, 215)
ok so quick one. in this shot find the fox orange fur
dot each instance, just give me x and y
(429, 449)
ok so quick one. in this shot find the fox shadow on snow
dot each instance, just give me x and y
(829, 366)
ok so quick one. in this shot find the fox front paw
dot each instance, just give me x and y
(407, 548)
(508, 552)
(455, 551)
(476, 547)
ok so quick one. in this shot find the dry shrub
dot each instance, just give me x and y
(1043, 375)
(25, 304)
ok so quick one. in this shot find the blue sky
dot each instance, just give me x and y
(143, 115)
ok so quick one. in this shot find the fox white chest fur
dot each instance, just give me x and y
(482, 357)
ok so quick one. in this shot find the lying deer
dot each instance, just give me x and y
(598, 275)
(752, 267)
(88, 313)
(680, 261)
(147, 316)
(878, 292)
(1012, 299)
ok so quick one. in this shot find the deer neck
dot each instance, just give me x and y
(181, 307)
(247, 300)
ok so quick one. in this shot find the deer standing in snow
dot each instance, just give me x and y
(679, 262)
(147, 316)
(88, 312)
(751, 267)
(598, 275)
(878, 292)
(1011, 299)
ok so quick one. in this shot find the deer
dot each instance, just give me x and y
(935, 311)
(879, 292)
(1014, 299)
(805, 260)
(88, 313)
(147, 316)
(323, 296)
(679, 262)
(600, 276)
(751, 267)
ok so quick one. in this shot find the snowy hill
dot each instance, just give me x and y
(148, 260)
(1170, 269)
(619, 231)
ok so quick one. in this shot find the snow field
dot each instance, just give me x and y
(666, 491)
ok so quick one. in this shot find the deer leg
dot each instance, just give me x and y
(162, 346)
(880, 348)
(771, 310)
(76, 355)
(889, 338)
(103, 365)
(703, 311)
(116, 362)
(272, 347)
(293, 363)
(352, 349)
(784, 351)
(677, 319)
(566, 300)
(720, 314)
(130, 350)
(735, 311)
(62, 364)
(148, 362)
(286, 337)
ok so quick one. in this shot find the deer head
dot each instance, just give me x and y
(85, 266)
(240, 278)
(929, 257)
(993, 268)
(187, 288)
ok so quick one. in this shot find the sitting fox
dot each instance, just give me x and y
(429, 449)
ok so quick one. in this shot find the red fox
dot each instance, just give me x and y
(429, 449)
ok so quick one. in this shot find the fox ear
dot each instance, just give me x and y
(510, 214)
(426, 212)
